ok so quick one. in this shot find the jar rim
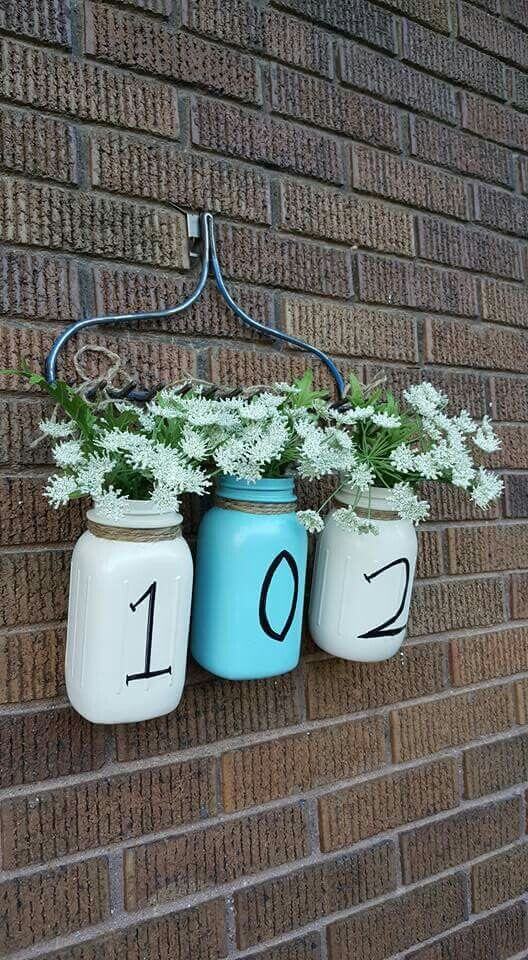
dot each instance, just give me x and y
(138, 514)
(267, 489)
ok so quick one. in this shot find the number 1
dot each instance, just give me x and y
(151, 594)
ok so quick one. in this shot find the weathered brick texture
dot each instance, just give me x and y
(367, 163)
(435, 847)
(47, 827)
(381, 931)
(212, 856)
(278, 906)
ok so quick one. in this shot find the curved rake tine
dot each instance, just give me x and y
(261, 327)
(50, 368)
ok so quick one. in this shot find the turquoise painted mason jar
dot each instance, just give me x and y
(249, 581)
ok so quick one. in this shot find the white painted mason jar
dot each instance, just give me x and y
(362, 583)
(128, 616)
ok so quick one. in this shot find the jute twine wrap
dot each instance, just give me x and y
(130, 535)
(247, 506)
(370, 514)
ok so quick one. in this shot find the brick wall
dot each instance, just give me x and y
(369, 166)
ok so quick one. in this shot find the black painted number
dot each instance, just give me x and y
(151, 594)
(386, 629)
(283, 557)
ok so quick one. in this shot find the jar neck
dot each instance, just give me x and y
(279, 490)
(138, 515)
(377, 498)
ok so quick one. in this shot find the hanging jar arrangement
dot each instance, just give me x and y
(136, 453)
(131, 572)
(366, 553)
(252, 545)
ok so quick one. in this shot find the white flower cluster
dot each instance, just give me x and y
(449, 457)
(187, 435)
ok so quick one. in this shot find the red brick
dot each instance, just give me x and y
(501, 878)
(456, 605)
(278, 768)
(500, 210)
(26, 517)
(460, 246)
(148, 361)
(51, 904)
(309, 948)
(150, 45)
(520, 596)
(264, 257)
(381, 931)
(356, 18)
(452, 503)
(465, 344)
(244, 368)
(19, 420)
(335, 686)
(345, 219)
(216, 855)
(155, 171)
(510, 400)
(490, 655)
(37, 146)
(262, 139)
(474, 549)
(400, 283)
(446, 843)
(442, 145)
(493, 34)
(427, 728)
(520, 91)
(517, 10)
(45, 80)
(39, 287)
(326, 105)
(464, 390)
(498, 936)
(123, 290)
(394, 81)
(454, 60)
(32, 664)
(86, 223)
(376, 806)
(514, 448)
(38, 19)
(211, 711)
(34, 586)
(433, 12)
(48, 744)
(430, 554)
(493, 121)
(521, 701)
(295, 899)
(413, 184)
(351, 330)
(495, 766)
(51, 825)
(161, 7)
(504, 303)
(270, 32)
(198, 933)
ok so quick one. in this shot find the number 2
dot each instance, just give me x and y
(150, 592)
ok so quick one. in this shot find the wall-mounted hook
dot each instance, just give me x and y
(200, 227)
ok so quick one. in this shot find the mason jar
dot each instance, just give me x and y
(362, 583)
(128, 616)
(250, 580)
